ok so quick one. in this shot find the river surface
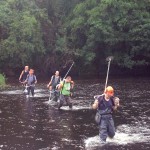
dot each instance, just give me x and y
(36, 124)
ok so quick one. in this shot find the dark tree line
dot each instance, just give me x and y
(50, 34)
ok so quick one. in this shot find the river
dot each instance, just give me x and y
(36, 124)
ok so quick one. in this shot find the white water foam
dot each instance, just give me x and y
(125, 134)
(38, 92)
(74, 108)
(50, 103)
(12, 92)
(40, 95)
(66, 108)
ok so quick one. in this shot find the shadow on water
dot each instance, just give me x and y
(35, 124)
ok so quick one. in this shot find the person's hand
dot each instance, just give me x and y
(95, 105)
(57, 86)
(116, 101)
(96, 102)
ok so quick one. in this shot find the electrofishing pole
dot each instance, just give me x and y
(68, 70)
(109, 58)
(64, 77)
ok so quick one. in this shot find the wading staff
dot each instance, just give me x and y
(109, 58)
(68, 70)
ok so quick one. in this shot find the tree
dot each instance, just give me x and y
(112, 27)
(21, 36)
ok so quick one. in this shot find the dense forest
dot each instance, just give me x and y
(48, 35)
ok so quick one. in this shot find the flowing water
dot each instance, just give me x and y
(36, 124)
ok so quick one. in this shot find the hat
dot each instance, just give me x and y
(109, 89)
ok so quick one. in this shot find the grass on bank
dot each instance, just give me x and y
(2, 80)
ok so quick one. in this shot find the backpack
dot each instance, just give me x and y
(53, 81)
(34, 79)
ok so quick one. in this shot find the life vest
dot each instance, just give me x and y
(65, 91)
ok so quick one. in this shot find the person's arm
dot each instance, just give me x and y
(60, 85)
(116, 103)
(72, 84)
(25, 81)
(95, 105)
(21, 75)
(35, 80)
(50, 82)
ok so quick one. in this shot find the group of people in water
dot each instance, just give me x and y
(64, 87)
(105, 104)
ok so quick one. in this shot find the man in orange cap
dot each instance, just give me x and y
(105, 104)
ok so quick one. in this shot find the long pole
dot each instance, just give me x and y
(68, 70)
(109, 60)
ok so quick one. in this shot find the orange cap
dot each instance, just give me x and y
(109, 89)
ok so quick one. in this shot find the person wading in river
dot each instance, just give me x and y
(55, 80)
(23, 75)
(65, 88)
(31, 81)
(105, 104)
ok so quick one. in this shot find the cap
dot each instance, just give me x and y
(109, 89)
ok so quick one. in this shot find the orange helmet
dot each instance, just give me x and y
(109, 90)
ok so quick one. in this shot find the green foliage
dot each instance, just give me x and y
(2, 80)
(114, 27)
(56, 32)
(21, 36)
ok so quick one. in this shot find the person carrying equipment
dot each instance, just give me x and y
(65, 88)
(30, 81)
(52, 85)
(55, 80)
(105, 105)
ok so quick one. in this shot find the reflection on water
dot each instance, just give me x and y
(36, 124)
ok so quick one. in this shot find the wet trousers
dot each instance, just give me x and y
(30, 89)
(106, 127)
(64, 98)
